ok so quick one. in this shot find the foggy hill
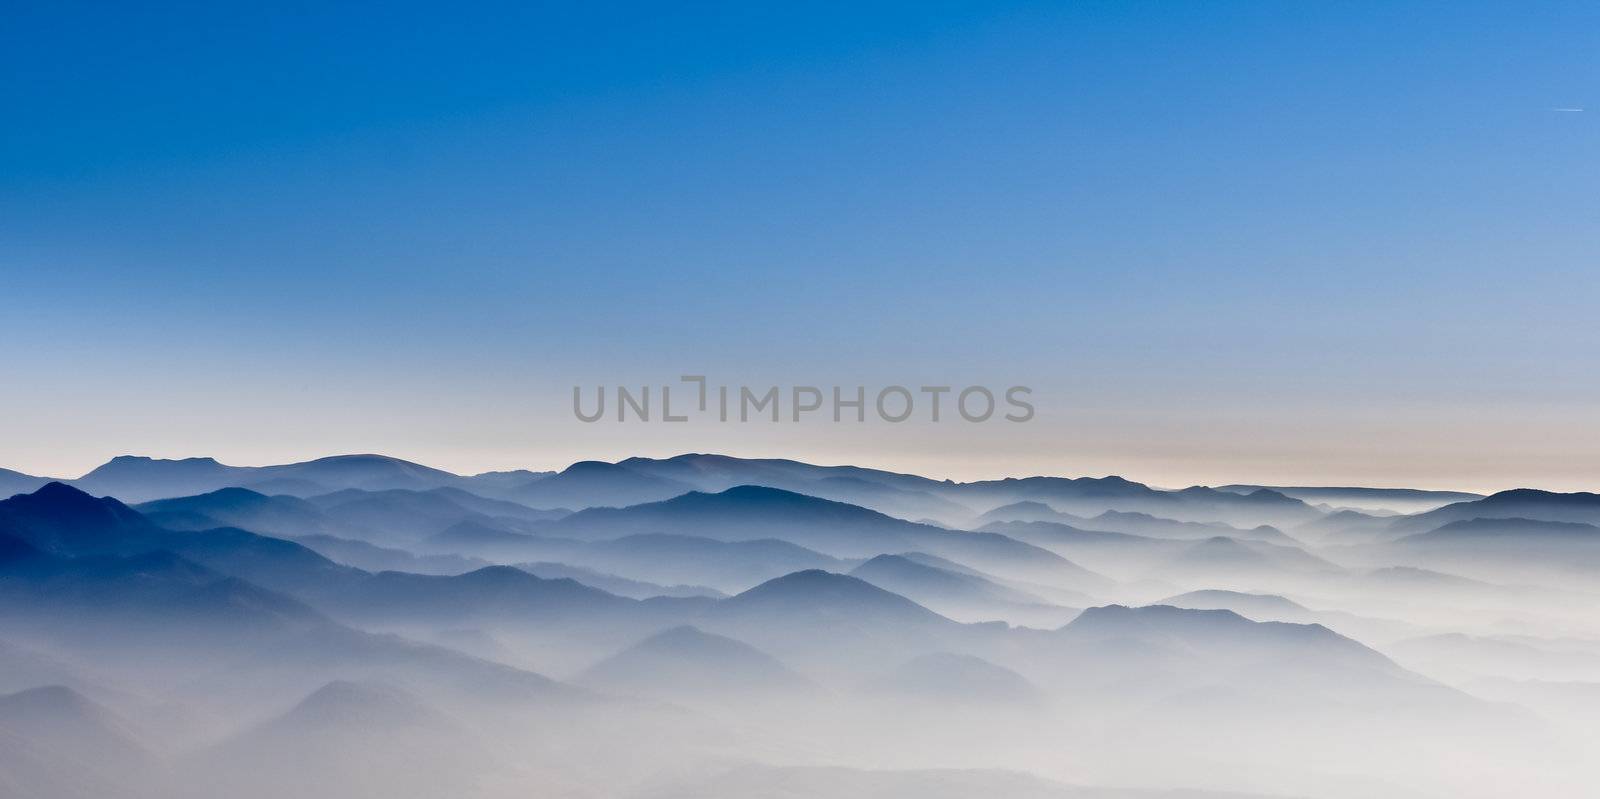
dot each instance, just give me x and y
(958, 595)
(1520, 503)
(684, 663)
(1402, 500)
(835, 528)
(588, 484)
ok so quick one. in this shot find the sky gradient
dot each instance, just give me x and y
(1223, 242)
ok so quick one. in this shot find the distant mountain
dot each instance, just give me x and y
(958, 595)
(1026, 511)
(60, 717)
(1085, 497)
(1222, 637)
(1522, 532)
(1345, 526)
(373, 558)
(947, 679)
(363, 738)
(1156, 527)
(1402, 500)
(1257, 607)
(1251, 562)
(832, 627)
(133, 478)
(1129, 522)
(752, 512)
(822, 598)
(1509, 549)
(612, 584)
(140, 479)
(713, 473)
(729, 566)
(240, 507)
(402, 515)
(1520, 503)
(12, 483)
(482, 538)
(589, 484)
(488, 596)
(496, 484)
(687, 664)
(899, 495)
(57, 744)
(1120, 555)
(22, 668)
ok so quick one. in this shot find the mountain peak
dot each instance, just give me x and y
(814, 592)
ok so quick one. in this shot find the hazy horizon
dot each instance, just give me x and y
(932, 470)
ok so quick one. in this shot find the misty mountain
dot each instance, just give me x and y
(728, 566)
(1511, 548)
(57, 744)
(12, 482)
(1522, 532)
(484, 539)
(589, 484)
(373, 558)
(713, 473)
(240, 507)
(687, 664)
(1520, 503)
(94, 602)
(752, 512)
(816, 597)
(1401, 500)
(1256, 607)
(1224, 562)
(1156, 527)
(1163, 653)
(401, 515)
(903, 496)
(1026, 511)
(963, 596)
(365, 739)
(140, 479)
(1345, 526)
(493, 593)
(1121, 555)
(612, 584)
(1086, 497)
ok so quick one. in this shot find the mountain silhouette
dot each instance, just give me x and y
(60, 518)
(589, 484)
(1519, 503)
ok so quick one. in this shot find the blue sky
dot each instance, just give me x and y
(1223, 241)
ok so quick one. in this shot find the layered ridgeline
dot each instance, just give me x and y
(714, 626)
